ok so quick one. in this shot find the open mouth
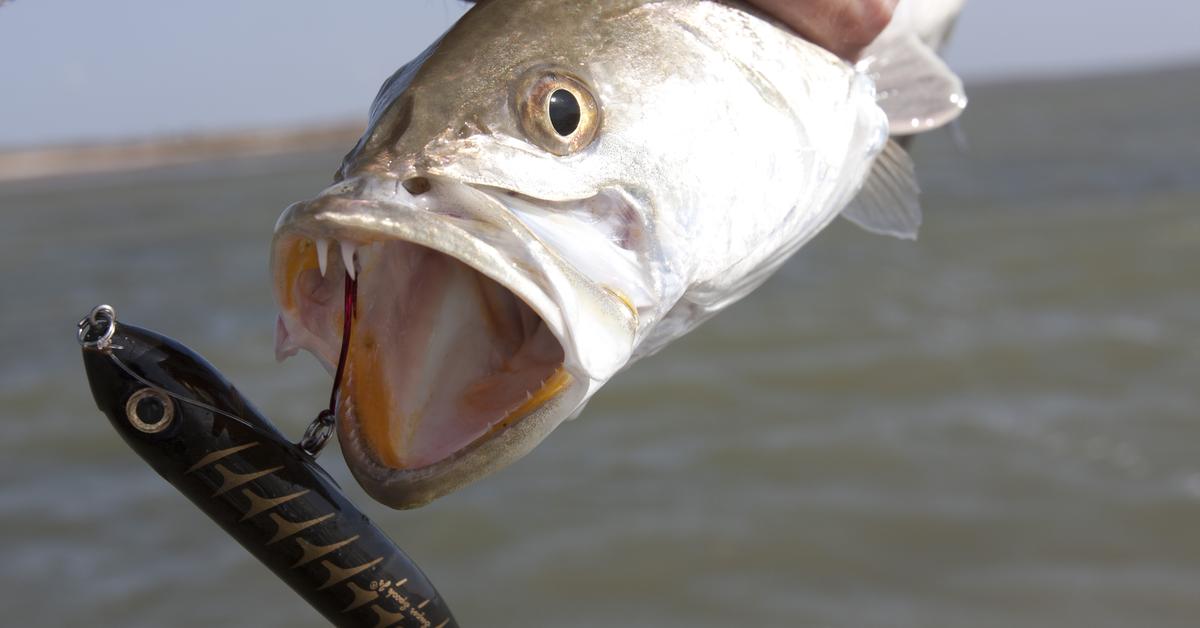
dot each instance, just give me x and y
(440, 358)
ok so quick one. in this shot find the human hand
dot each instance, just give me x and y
(843, 27)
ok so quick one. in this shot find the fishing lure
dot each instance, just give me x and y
(194, 428)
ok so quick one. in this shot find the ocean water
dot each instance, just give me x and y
(995, 426)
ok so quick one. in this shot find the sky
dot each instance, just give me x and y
(102, 70)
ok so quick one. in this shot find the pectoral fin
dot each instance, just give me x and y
(914, 87)
(887, 203)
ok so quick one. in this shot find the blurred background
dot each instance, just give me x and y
(997, 425)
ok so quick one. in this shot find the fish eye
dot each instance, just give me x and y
(564, 112)
(557, 111)
(149, 410)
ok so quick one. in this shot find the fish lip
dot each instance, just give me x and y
(353, 212)
(413, 488)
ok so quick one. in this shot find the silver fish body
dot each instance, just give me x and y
(552, 191)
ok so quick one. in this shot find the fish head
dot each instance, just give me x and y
(498, 266)
(536, 199)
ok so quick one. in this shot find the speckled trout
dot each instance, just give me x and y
(555, 189)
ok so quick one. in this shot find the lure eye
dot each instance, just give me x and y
(149, 411)
(557, 110)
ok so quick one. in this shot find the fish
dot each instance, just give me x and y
(554, 190)
(195, 429)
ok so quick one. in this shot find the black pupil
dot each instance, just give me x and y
(564, 112)
(150, 410)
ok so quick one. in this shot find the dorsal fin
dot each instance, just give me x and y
(914, 87)
(887, 203)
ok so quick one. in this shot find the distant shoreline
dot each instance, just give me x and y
(102, 158)
(23, 164)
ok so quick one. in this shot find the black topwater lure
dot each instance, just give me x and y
(184, 419)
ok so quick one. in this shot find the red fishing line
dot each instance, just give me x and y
(350, 299)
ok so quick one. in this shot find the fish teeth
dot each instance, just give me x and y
(322, 254)
(348, 258)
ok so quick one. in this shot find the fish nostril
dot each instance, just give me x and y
(416, 185)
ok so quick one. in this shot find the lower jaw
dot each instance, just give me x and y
(406, 488)
(379, 438)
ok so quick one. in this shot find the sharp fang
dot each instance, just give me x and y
(348, 258)
(322, 254)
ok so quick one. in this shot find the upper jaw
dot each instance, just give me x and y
(594, 327)
(595, 324)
